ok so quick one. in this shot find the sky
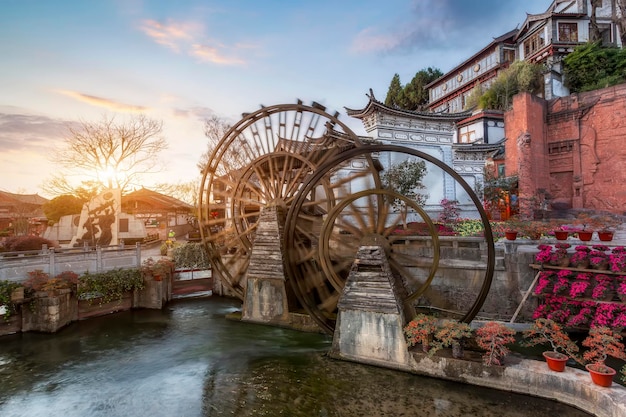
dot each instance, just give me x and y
(179, 62)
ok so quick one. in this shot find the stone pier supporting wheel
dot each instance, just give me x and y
(319, 258)
(261, 162)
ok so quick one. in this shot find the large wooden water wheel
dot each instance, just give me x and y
(262, 162)
(362, 214)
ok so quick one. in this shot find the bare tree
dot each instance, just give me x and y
(109, 153)
(183, 191)
(619, 18)
(214, 129)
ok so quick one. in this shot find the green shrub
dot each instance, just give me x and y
(110, 285)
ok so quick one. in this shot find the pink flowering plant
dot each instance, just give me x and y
(602, 287)
(581, 254)
(544, 281)
(617, 262)
(578, 288)
(597, 257)
(583, 276)
(621, 285)
(555, 308)
(606, 313)
(561, 284)
(620, 318)
(583, 313)
(545, 254)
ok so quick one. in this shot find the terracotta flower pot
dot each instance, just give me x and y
(510, 235)
(585, 235)
(561, 234)
(605, 236)
(555, 360)
(601, 375)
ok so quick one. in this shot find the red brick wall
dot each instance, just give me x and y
(525, 149)
(573, 147)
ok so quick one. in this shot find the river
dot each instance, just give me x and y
(189, 360)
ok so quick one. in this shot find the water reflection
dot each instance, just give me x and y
(188, 360)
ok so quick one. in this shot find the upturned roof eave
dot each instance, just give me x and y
(374, 105)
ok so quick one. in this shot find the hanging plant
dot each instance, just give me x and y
(6, 289)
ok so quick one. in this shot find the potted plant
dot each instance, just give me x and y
(606, 225)
(548, 331)
(602, 342)
(560, 231)
(493, 338)
(580, 258)
(617, 259)
(451, 333)
(157, 269)
(584, 220)
(420, 330)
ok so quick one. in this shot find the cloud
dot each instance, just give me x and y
(212, 54)
(173, 35)
(189, 38)
(198, 112)
(437, 25)
(103, 102)
(27, 132)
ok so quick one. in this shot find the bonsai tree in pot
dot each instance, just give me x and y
(545, 331)
(451, 333)
(493, 338)
(420, 330)
(601, 343)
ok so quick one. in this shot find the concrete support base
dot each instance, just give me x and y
(371, 313)
(265, 299)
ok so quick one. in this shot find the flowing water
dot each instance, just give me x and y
(189, 360)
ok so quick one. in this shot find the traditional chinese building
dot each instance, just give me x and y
(544, 38)
(436, 134)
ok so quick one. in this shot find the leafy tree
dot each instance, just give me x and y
(405, 178)
(110, 153)
(394, 93)
(521, 76)
(592, 66)
(473, 98)
(61, 206)
(414, 95)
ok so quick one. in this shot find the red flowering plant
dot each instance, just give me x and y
(603, 286)
(602, 342)
(544, 255)
(545, 331)
(584, 312)
(420, 330)
(493, 338)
